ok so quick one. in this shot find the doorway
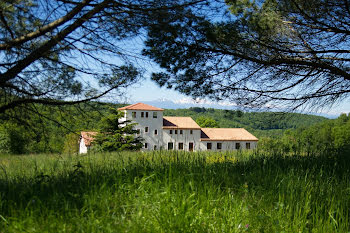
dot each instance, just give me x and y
(190, 146)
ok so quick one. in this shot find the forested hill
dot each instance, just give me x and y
(260, 123)
(57, 129)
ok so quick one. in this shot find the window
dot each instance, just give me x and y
(247, 145)
(181, 146)
(175, 131)
(146, 114)
(155, 147)
(154, 114)
(219, 146)
(238, 145)
(155, 132)
(146, 129)
(142, 114)
(170, 146)
(138, 131)
(171, 131)
(133, 114)
(180, 131)
(191, 131)
(146, 145)
(209, 146)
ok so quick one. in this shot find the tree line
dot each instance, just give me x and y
(259, 123)
(60, 132)
(328, 137)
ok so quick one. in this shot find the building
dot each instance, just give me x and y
(178, 133)
(85, 141)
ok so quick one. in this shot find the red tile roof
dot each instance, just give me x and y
(226, 134)
(179, 123)
(88, 137)
(141, 106)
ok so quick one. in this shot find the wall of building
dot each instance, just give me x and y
(227, 145)
(186, 137)
(82, 148)
(153, 124)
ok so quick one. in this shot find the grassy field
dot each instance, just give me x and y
(174, 192)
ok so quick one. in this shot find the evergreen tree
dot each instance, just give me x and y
(116, 134)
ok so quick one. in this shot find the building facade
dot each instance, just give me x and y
(180, 133)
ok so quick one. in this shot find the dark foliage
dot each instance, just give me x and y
(116, 134)
(288, 53)
(327, 137)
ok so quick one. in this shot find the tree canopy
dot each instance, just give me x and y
(327, 137)
(207, 122)
(64, 52)
(264, 53)
(115, 134)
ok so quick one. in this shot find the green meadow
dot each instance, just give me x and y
(174, 192)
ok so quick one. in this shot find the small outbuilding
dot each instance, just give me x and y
(85, 141)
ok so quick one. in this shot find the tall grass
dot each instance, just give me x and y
(174, 192)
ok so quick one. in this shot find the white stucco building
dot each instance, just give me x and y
(85, 141)
(178, 133)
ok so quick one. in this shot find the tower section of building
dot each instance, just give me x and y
(149, 122)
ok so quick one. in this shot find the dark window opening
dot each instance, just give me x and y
(238, 145)
(146, 114)
(170, 146)
(219, 146)
(209, 146)
(142, 114)
(181, 146)
(247, 145)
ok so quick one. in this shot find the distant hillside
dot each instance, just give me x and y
(260, 123)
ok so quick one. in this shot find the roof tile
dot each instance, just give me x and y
(88, 137)
(179, 123)
(226, 134)
(141, 106)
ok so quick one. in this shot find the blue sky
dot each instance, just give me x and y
(148, 90)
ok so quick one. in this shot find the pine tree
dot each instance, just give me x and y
(116, 134)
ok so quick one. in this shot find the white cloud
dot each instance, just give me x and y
(199, 101)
